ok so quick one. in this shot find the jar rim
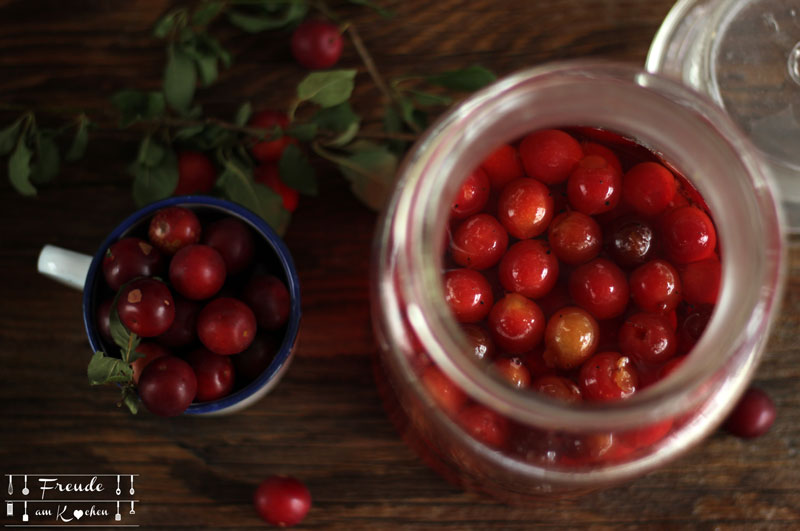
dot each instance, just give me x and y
(415, 206)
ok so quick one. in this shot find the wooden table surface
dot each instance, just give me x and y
(324, 423)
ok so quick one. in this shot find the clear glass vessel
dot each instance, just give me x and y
(615, 441)
(745, 54)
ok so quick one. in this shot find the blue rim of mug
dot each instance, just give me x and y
(281, 252)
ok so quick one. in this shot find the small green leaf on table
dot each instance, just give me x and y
(206, 13)
(165, 24)
(136, 105)
(180, 79)
(213, 47)
(339, 119)
(188, 132)
(465, 79)
(151, 153)
(19, 168)
(207, 68)
(393, 123)
(210, 137)
(382, 11)
(238, 185)
(152, 183)
(205, 51)
(302, 132)
(327, 88)
(296, 171)
(9, 136)
(417, 119)
(428, 99)
(47, 162)
(77, 149)
(130, 399)
(371, 172)
(243, 114)
(292, 12)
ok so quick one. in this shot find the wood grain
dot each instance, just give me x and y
(324, 423)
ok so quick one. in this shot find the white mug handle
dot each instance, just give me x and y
(64, 266)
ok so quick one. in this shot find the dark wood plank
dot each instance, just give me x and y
(324, 423)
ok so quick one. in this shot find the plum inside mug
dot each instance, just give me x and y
(83, 272)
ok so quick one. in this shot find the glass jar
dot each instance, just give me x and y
(553, 447)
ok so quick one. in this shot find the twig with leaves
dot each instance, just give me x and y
(170, 122)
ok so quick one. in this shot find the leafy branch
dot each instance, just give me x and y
(104, 369)
(169, 121)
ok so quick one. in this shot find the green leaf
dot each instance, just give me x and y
(206, 13)
(302, 132)
(119, 333)
(129, 101)
(207, 67)
(296, 171)
(153, 183)
(382, 11)
(166, 23)
(195, 112)
(205, 51)
(136, 105)
(293, 12)
(104, 369)
(8, 137)
(225, 57)
(77, 150)
(430, 99)
(465, 79)
(48, 161)
(243, 114)
(371, 172)
(212, 137)
(345, 136)
(338, 119)
(180, 79)
(212, 45)
(238, 185)
(131, 355)
(188, 39)
(123, 338)
(19, 169)
(393, 123)
(327, 88)
(271, 134)
(151, 153)
(415, 118)
(188, 132)
(130, 399)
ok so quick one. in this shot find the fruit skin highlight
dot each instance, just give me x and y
(753, 415)
(167, 386)
(282, 501)
(317, 44)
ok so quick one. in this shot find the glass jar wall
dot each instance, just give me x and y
(546, 446)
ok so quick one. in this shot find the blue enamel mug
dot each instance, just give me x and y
(84, 272)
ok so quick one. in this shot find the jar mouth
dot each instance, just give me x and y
(668, 119)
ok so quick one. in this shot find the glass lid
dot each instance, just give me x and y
(745, 54)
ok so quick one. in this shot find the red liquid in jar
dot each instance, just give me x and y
(608, 317)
